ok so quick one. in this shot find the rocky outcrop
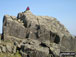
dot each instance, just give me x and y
(12, 27)
(7, 48)
(34, 48)
(36, 36)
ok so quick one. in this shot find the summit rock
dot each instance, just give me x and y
(41, 35)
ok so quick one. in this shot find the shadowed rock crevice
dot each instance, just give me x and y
(23, 18)
(27, 35)
(43, 45)
(28, 56)
(54, 37)
(36, 34)
(38, 27)
(57, 39)
(51, 53)
(18, 48)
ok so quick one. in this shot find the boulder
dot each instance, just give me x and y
(33, 48)
(13, 28)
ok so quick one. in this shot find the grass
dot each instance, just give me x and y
(10, 55)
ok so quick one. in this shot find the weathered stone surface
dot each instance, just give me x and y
(45, 28)
(68, 44)
(13, 28)
(34, 48)
(37, 27)
(4, 49)
(9, 48)
(42, 36)
(55, 48)
(14, 49)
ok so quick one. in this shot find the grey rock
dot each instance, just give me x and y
(42, 36)
(14, 49)
(9, 48)
(23, 54)
(3, 49)
(36, 27)
(55, 48)
(16, 43)
(68, 44)
(13, 28)
(35, 48)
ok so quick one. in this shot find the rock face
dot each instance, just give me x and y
(11, 27)
(42, 36)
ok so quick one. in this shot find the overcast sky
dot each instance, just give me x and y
(63, 10)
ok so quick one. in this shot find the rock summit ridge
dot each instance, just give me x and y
(36, 36)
